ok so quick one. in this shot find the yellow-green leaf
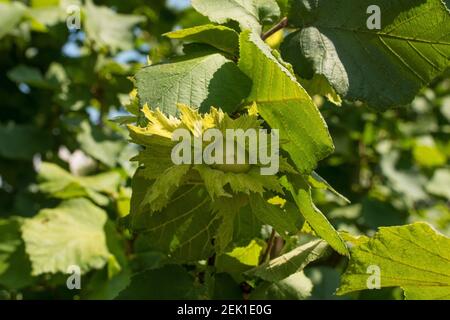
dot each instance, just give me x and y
(69, 235)
(220, 37)
(414, 257)
(284, 104)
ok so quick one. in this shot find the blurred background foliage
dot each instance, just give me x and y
(60, 89)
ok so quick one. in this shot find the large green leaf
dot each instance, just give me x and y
(199, 82)
(250, 14)
(220, 37)
(289, 263)
(284, 104)
(414, 257)
(106, 28)
(70, 234)
(301, 192)
(184, 229)
(385, 67)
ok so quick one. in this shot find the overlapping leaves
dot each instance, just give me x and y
(189, 202)
(250, 14)
(157, 163)
(200, 81)
(284, 104)
(191, 211)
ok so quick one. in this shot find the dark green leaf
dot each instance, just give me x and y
(384, 67)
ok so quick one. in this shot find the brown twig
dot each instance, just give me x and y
(269, 247)
(280, 25)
